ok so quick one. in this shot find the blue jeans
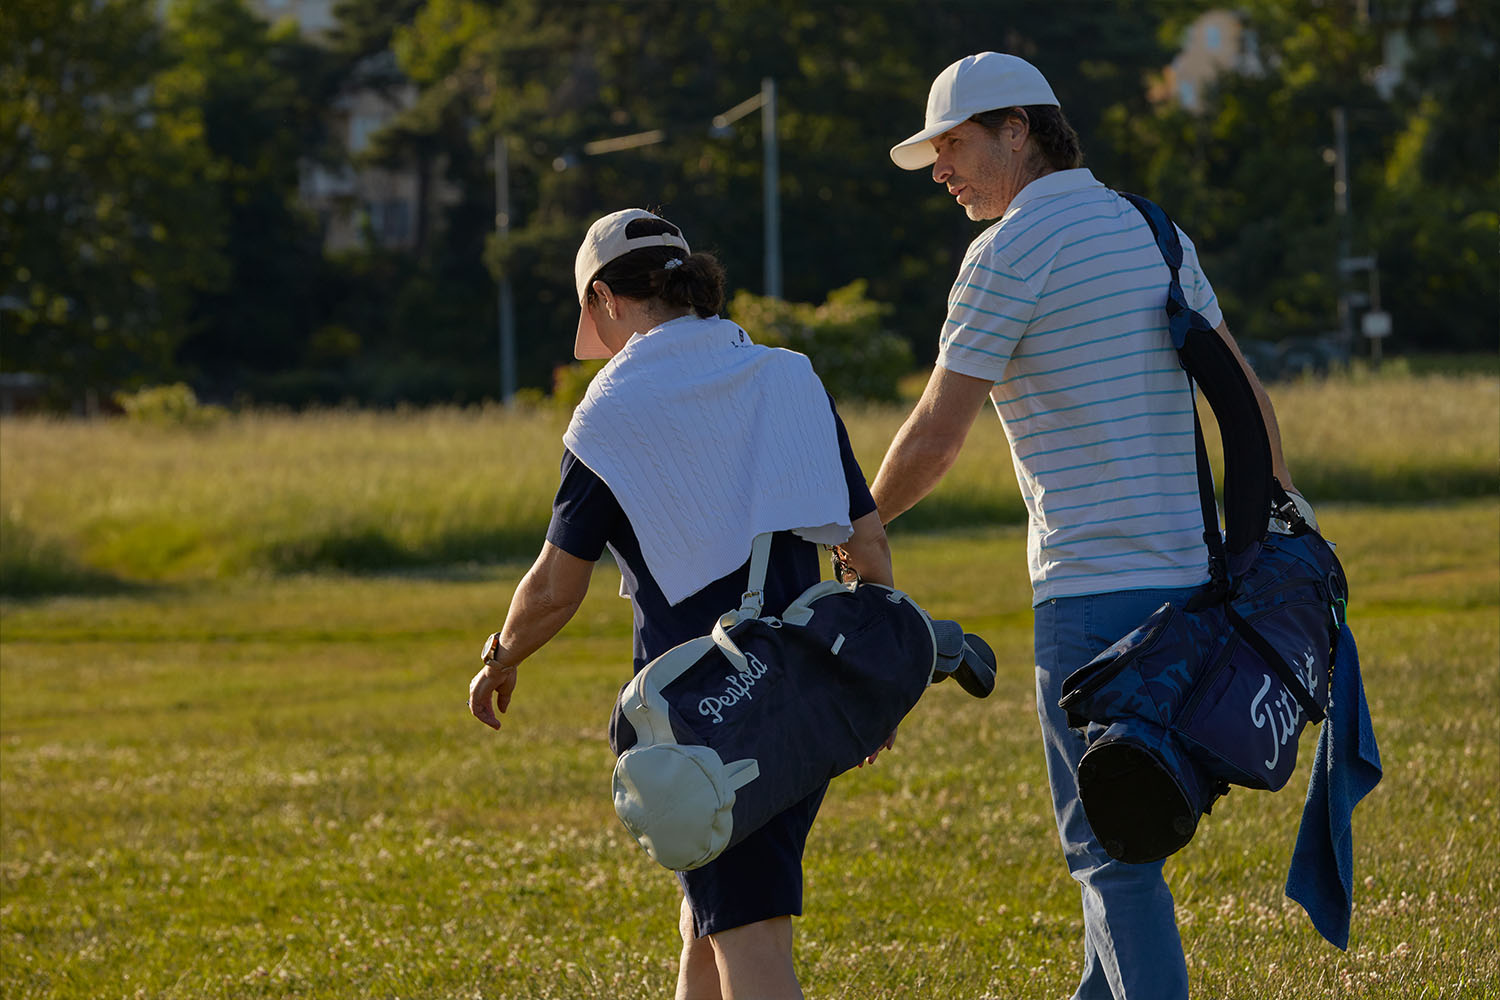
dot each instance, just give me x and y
(1132, 950)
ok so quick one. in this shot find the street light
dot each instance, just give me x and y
(765, 102)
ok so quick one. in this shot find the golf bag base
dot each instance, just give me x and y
(1135, 804)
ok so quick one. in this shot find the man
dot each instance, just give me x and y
(1057, 317)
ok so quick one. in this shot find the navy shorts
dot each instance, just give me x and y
(756, 879)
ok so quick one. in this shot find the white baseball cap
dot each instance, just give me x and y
(608, 239)
(983, 82)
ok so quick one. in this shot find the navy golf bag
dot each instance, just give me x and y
(1214, 693)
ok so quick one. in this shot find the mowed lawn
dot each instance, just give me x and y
(269, 786)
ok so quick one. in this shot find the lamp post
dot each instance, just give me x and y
(1341, 213)
(771, 182)
(506, 302)
(765, 103)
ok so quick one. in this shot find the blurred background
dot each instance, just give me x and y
(376, 202)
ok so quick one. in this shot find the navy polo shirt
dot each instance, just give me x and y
(586, 517)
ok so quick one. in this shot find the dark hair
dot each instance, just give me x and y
(697, 283)
(1056, 141)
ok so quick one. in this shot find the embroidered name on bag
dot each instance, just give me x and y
(1283, 721)
(736, 690)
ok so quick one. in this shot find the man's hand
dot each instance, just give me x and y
(1303, 509)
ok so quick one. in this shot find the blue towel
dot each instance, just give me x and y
(1347, 767)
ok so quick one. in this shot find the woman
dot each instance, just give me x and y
(690, 442)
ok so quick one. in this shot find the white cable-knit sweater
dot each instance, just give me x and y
(707, 439)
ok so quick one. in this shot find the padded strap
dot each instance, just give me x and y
(1211, 364)
(1218, 566)
(720, 637)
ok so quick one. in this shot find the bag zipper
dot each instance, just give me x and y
(1184, 714)
(1103, 677)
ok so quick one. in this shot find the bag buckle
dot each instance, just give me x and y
(750, 605)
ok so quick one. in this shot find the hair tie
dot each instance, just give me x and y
(674, 262)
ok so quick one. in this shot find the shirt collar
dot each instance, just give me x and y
(1049, 185)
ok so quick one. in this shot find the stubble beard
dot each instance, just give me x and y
(982, 211)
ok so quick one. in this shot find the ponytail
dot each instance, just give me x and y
(663, 274)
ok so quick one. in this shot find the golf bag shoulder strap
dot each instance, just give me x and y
(1250, 489)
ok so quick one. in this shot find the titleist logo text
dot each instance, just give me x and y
(1282, 713)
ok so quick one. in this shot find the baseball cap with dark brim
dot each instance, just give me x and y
(983, 82)
(608, 239)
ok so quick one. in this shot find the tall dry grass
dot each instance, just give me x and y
(88, 501)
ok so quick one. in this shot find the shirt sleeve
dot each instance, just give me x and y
(989, 308)
(585, 513)
(1200, 294)
(861, 502)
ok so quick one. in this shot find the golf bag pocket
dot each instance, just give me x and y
(718, 735)
(1199, 698)
(678, 801)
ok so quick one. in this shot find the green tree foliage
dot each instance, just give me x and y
(428, 326)
(1436, 214)
(262, 95)
(1251, 177)
(150, 228)
(845, 337)
(106, 231)
(549, 78)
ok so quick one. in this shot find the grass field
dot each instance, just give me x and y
(271, 788)
(223, 775)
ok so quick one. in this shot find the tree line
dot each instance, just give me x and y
(151, 228)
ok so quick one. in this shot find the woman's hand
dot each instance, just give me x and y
(890, 741)
(492, 687)
(544, 600)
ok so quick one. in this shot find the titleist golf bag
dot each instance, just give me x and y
(1214, 693)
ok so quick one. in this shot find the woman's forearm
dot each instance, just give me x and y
(545, 600)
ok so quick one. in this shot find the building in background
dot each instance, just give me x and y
(1401, 29)
(1216, 43)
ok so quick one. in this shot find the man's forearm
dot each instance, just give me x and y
(868, 552)
(533, 619)
(912, 468)
(928, 443)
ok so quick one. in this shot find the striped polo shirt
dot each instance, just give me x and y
(1060, 303)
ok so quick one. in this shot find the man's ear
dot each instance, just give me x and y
(1019, 127)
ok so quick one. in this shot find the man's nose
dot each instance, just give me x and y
(941, 171)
